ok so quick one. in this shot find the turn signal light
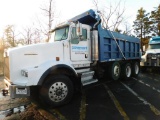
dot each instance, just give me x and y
(57, 58)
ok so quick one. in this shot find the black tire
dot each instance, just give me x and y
(56, 91)
(126, 71)
(135, 69)
(115, 70)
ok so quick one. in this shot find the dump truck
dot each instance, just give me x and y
(151, 58)
(81, 51)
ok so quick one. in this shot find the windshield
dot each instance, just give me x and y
(60, 34)
(154, 46)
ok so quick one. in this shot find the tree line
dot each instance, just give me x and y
(28, 35)
(147, 24)
(36, 33)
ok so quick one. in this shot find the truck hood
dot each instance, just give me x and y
(153, 51)
(32, 56)
(41, 52)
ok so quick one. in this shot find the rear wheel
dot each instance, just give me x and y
(56, 91)
(115, 70)
(126, 71)
(135, 69)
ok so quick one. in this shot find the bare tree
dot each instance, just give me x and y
(112, 16)
(95, 3)
(10, 36)
(37, 38)
(28, 34)
(49, 12)
(127, 28)
(31, 35)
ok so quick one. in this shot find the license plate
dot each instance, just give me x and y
(153, 57)
(21, 90)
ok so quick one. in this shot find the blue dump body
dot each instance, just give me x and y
(155, 40)
(108, 49)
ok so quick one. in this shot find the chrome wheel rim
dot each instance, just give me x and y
(128, 71)
(136, 69)
(116, 70)
(58, 91)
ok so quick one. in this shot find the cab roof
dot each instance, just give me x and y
(155, 40)
(88, 17)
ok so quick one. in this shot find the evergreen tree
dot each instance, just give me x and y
(142, 26)
(155, 19)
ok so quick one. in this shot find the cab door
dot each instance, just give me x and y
(80, 46)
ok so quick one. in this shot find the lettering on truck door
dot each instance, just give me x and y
(80, 49)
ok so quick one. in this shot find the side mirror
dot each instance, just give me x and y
(79, 29)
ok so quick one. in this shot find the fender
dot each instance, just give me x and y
(54, 68)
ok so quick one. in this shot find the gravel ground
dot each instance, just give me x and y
(20, 108)
(32, 112)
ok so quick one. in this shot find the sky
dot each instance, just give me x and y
(21, 13)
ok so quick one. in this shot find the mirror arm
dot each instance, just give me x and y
(79, 29)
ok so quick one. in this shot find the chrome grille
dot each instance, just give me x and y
(153, 60)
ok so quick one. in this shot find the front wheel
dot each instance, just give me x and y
(57, 90)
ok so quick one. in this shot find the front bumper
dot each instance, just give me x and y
(16, 91)
(151, 63)
(19, 91)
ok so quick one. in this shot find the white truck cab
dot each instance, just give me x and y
(151, 58)
(78, 47)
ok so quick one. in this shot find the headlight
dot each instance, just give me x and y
(24, 73)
